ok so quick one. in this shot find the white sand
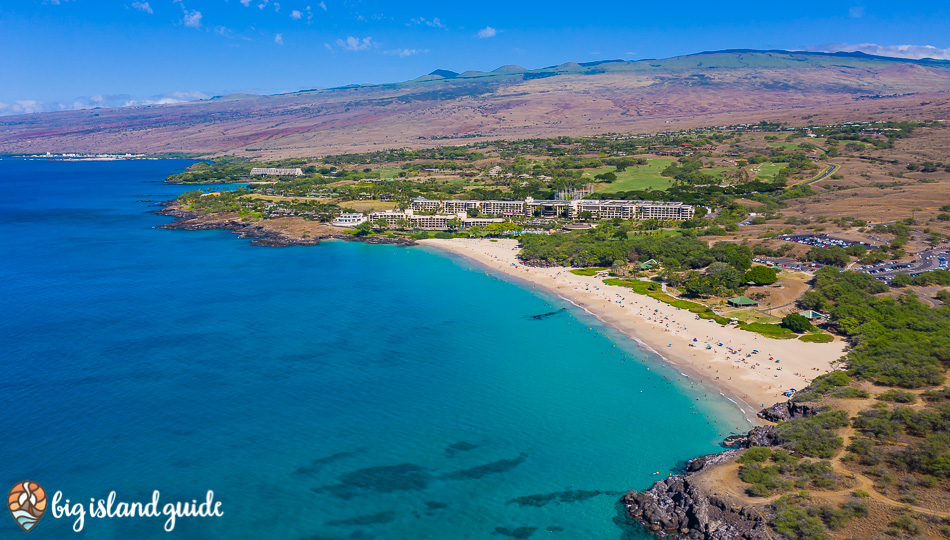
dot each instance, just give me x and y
(757, 380)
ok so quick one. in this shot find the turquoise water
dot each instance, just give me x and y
(336, 391)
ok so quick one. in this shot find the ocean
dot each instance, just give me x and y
(337, 391)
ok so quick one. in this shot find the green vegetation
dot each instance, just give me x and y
(773, 331)
(638, 177)
(898, 342)
(587, 271)
(816, 338)
(652, 290)
(815, 436)
(798, 519)
(761, 275)
(797, 323)
(897, 396)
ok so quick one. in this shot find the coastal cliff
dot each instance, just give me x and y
(684, 506)
(265, 234)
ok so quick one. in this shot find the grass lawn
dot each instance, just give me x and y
(769, 170)
(817, 338)
(362, 206)
(752, 316)
(773, 331)
(586, 271)
(388, 172)
(653, 290)
(785, 145)
(637, 177)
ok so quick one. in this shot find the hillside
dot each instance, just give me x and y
(444, 107)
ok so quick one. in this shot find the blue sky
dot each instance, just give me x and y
(57, 54)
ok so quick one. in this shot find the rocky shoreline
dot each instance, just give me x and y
(682, 507)
(259, 233)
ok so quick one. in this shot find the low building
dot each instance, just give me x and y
(742, 301)
(348, 219)
(261, 171)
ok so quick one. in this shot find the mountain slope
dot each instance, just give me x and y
(722, 87)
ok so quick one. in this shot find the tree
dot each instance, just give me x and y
(472, 212)
(585, 215)
(382, 223)
(402, 223)
(797, 323)
(364, 229)
(761, 275)
(454, 223)
(901, 280)
(943, 295)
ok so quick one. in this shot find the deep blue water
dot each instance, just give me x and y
(336, 391)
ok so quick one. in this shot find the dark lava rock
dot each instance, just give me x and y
(789, 410)
(675, 506)
(758, 436)
(260, 234)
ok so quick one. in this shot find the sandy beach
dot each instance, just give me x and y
(719, 357)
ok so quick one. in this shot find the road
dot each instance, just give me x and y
(831, 169)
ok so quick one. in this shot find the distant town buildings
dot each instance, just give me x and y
(260, 171)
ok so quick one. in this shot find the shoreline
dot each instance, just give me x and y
(751, 382)
(269, 233)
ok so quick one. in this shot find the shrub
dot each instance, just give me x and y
(757, 454)
(815, 435)
(897, 396)
(797, 323)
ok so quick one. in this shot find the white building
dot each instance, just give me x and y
(347, 219)
(599, 209)
(260, 171)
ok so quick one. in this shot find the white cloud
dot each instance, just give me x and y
(322, 5)
(143, 6)
(193, 19)
(28, 106)
(296, 15)
(487, 32)
(262, 5)
(856, 12)
(246, 2)
(914, 52)
(434, 23)
(22, 106)
(356, 44)
(402, 53)
(327, 45)
(223, 31)
(279, 39)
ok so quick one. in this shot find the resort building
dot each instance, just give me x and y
(348, 219)
(436, 222)
(599, 209)
(259, 171)
(436, 214)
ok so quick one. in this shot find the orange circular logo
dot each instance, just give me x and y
(27, 503)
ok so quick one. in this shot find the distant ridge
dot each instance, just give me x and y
(444, 73)
(511, 68)
(510, 102)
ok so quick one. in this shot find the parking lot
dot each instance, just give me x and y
(926, 261)
(822, 240)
